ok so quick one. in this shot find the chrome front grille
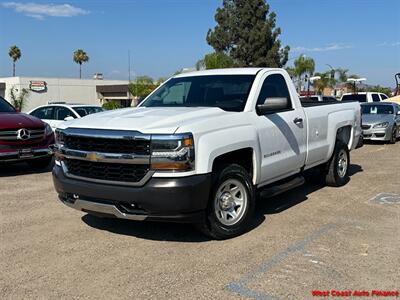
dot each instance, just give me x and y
(21, 134)
(108, 145)
(105, 156)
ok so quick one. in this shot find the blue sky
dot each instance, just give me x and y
(166, 35)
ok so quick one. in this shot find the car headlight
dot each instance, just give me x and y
(48, 129)
(381, 125)
(59, 137)
(172, 152)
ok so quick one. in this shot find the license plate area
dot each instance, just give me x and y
(25, 153)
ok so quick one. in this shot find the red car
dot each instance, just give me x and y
(24, 138)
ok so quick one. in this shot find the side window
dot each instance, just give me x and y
(63, 112)
(383, 97)
(45, 113)
(375, 98)
(274, 86)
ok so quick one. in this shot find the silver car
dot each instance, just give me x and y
(381, 121)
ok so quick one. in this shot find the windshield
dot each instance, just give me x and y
(377, 109)
(355, 97)
(5, 106)
(87, 110)
(228, 92)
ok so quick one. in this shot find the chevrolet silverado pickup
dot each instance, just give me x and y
(201, 148)
(24, 138)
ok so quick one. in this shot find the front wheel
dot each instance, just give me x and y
(337, 171)
(393, 137)
(231, 204)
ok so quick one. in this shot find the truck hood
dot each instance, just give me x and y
(18, 120)
(374, 118)
(165, 120)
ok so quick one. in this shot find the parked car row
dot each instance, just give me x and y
(364, 97)
(24, 137)
(28, 137)
(56, 113)
(381, 121)
(360, 97)
(199, 148)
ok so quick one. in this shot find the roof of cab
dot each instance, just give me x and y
(228, 71)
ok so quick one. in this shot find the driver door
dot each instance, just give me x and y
(283, 134)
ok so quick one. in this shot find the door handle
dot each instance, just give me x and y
(298, 121)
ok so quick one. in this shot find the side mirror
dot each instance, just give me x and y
(274, 104)
(398, 113)
(69, 118)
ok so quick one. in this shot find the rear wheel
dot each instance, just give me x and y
(40, 163)
(393, 137)
(336, 172)
(231, 204)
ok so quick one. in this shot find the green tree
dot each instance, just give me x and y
(111, 105)
(80, 57)
(18, 99)
(342, 74)
(246, 31)
(216, 60)
(15, 53)
(302, 65)
(325, 81)
(142, 87)
(380, 89)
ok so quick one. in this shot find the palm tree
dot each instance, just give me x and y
(80, 57)
(325, 81)
(303, 65)
(15, 53)
(342, 74)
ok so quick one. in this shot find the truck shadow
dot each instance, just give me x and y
(176, 232)
(17, 169)
(298, 195)
(158, 231)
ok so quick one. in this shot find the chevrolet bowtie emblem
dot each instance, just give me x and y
(93, 156)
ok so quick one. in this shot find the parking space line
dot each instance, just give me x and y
(240, 287)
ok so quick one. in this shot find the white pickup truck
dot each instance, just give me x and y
(200, 149)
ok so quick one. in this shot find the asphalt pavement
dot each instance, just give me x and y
(313, 238)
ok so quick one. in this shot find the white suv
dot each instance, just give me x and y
(364, 97)
(56, 113)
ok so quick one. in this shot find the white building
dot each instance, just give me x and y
(86, 91)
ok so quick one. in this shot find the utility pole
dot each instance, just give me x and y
(129, 66)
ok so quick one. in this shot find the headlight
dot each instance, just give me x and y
(382, 125)
(59, 137)
(48, 129)
(172, 152)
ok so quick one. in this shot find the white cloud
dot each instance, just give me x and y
(386, 44)
(329, 47)
(39, 11)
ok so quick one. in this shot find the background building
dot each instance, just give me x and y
(87, 91)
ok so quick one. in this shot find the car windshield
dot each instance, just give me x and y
(355, 97)
(377, 109)
(5, 106)
(87, 110)
(228, 92)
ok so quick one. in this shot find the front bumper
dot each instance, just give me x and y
(182, 199)
(14, 156)
(380, 134)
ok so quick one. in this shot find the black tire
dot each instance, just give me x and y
(335, 175)
(40, 163)
(393, 137)
(212, 226)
